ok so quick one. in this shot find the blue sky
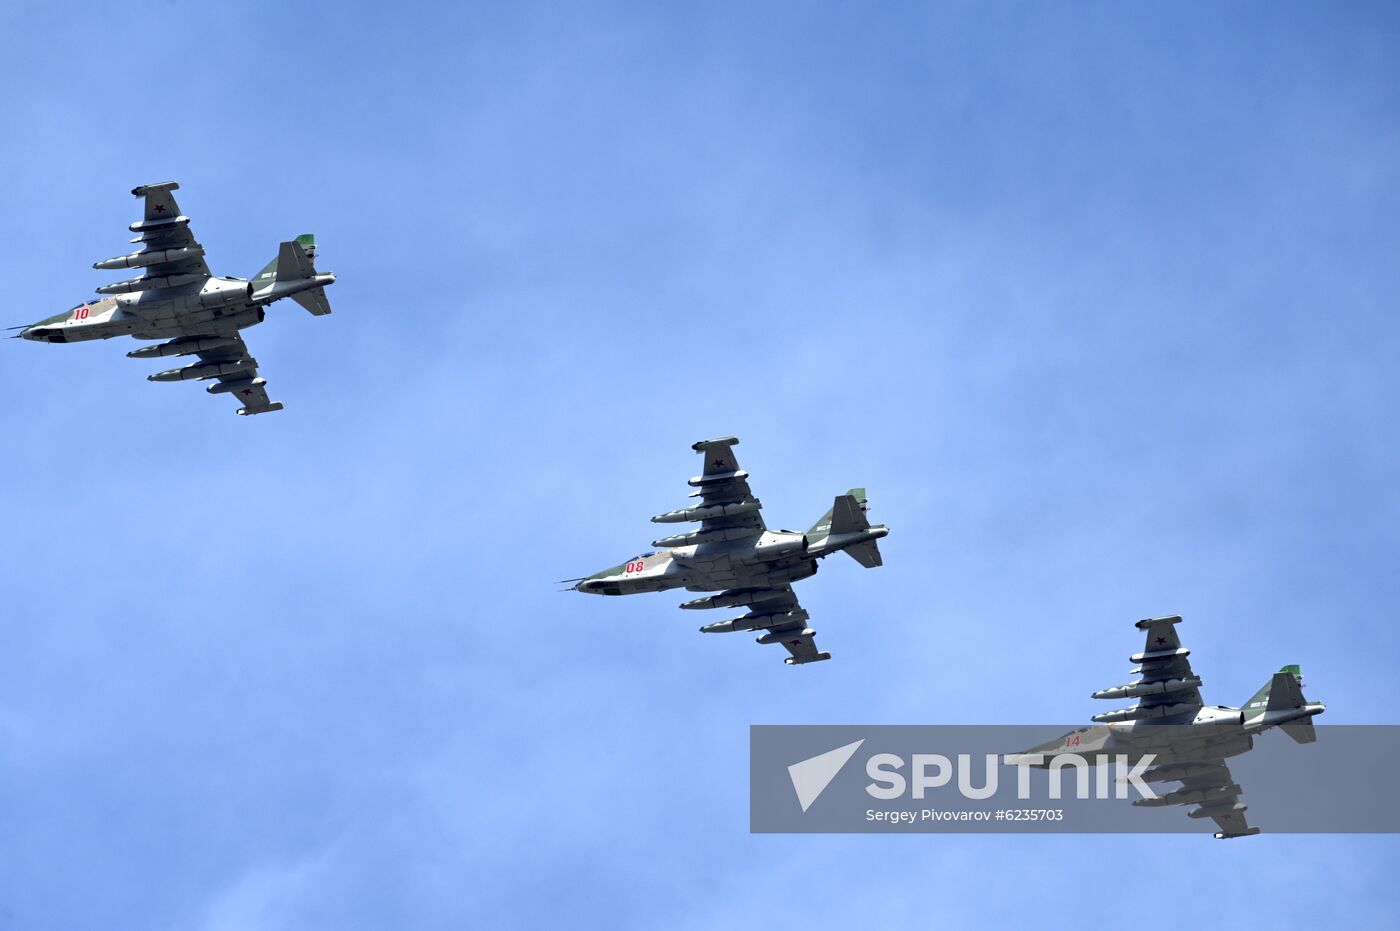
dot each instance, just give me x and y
(1096, 300)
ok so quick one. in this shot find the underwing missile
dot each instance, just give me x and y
(203, 370)
(150, 257)
(182, 347)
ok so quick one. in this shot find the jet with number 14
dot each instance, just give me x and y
(1188, 740)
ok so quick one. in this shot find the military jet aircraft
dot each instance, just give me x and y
(735, 551)
(176, 299)
(1189, 739)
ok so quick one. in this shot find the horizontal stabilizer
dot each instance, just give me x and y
(1302, 731)
(313, 300)
(867, 554)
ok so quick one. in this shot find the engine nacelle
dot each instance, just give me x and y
(250, 316)
(794, 573)
(219, 293)
(772, 548)
(1232, 747)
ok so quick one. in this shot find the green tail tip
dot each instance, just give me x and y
(1293, 668)
(307, 239)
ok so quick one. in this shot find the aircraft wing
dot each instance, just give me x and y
(1221, 801)
(722, 482)
(1208, 785)
(241, 381)
(164, 228)
(775, 611)
(1164, 660)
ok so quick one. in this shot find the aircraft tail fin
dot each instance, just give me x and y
(847, 515)
(1283, 692)
(848, 512)
(1286, 689)
(296, 261)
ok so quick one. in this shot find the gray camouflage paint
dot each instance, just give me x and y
(741, 558)
(1189, 740)
(176, 298)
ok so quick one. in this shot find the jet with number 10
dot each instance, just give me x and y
(735, 551)
(176, 299)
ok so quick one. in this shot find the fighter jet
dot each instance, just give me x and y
(1189, 739)
(735, 551)
(176, 299)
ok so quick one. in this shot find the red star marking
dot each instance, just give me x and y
(246, 391)
(160, 208)
(1161, 640)
(718, 463)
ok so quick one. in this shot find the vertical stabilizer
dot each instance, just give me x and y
(295, 262)
(1283, 692)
